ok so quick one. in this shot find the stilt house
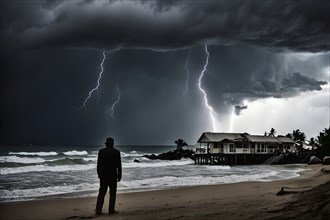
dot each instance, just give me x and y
(246, 148)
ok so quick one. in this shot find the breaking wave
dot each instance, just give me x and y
(41, 154)
(75, 153)
(45, 168)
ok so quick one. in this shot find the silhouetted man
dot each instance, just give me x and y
(109, 173)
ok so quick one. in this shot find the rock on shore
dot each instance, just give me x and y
(172, 155)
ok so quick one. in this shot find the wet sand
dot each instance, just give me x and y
(307, 196)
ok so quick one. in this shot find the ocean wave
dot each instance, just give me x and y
(68, 161)
(157, 163)
(42, 154)
(24, 194)
(44, 168)
(132, 154)
(75, 153)
(14, 161)
(89, 159)
(24, 160)
(173, 181)
(217, 167)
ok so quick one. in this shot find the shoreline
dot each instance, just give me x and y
(204, 175)
(243, 200)
(94, 192)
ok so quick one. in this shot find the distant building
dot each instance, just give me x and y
(242, 148)
(242, 143)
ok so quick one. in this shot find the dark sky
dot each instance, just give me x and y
(273, 52)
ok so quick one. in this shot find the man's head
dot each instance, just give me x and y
(109, 142)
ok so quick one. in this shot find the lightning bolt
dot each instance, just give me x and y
(112, 109)
(96, 87)
(231, 120)
(188, 74)
(211, 111)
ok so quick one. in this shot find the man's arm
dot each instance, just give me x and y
(98, 168)
(119, 170)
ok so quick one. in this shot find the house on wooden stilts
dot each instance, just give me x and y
(240, 148)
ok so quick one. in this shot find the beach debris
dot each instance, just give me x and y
(325, 170)
(290, 190)
(326, 160)
(136, 161)
(314, 160)
(282, 192)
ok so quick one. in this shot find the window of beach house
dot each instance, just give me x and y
(245, 147)
(263, 148)
(238, 145)
(203, 146)
(252, 147)
(258, 148)
(232, 148)
(271, 148)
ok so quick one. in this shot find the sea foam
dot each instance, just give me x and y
(42, 154)
(173, 181)
(24, 160)
(25, 194)
(75, 153)
(45, 168)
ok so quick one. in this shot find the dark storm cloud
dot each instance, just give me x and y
(301, 83)
(239, 109)
(164, 25)
(249, 44)
(289, 87)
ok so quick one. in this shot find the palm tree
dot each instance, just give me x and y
(324, 142)
(272, 132)
(324, 135)
(288, 135)
(298, 135)
(299, 138)
(180, 143)
(312, 143)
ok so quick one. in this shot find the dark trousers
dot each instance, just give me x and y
(104, 184)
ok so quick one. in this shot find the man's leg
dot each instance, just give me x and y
(112, 202)
(100, 198)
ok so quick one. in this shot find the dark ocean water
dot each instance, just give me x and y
(37, 172)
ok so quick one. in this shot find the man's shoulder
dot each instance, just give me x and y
(118, 151)
(109, 150)
(102, 150)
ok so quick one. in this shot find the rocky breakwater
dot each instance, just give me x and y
(177, 154)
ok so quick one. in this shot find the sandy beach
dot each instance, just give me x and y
(307, 196)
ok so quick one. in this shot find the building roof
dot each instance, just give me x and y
(262, 138)
(285, 139)
(218, 137)
(208, 137)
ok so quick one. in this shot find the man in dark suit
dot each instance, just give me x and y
(109, 173)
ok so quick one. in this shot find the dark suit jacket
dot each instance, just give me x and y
(109, 164)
